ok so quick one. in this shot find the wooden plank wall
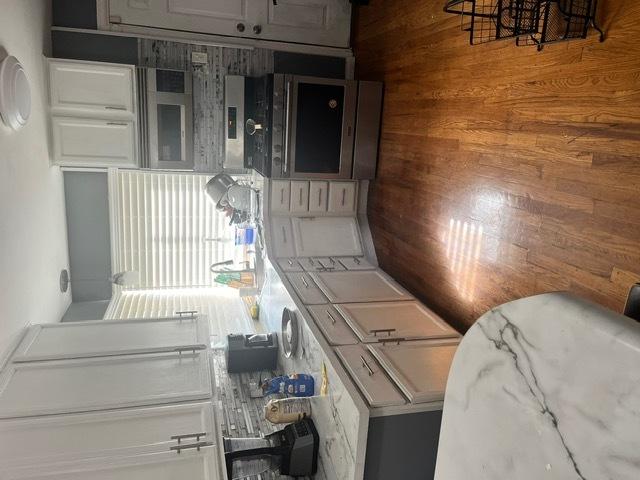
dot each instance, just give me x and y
(504, 172)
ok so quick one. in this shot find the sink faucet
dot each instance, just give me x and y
(214, 268)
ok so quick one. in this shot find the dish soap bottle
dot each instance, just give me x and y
(296, 385)
(287, 410)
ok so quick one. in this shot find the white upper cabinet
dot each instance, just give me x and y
(123, 432)
(359, 286)
(82, 385)
(111, 337)
(316, 22)
(342, 197)
(92, 87)
(326, 236)
(190, 464)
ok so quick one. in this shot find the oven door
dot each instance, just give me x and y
(170, 131)
(319, 127)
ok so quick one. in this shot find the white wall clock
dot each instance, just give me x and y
(15, 93)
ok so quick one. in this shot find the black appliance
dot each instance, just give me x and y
(293, 450)
(252, 353)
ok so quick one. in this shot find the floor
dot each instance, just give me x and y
(504, 172)
(33, 235)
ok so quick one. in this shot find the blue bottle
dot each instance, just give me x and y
(296, 385)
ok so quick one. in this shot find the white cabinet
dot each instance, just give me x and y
(280, 196)
(318, 194)
(92, 87)
(342, 197)
(306, 289)
(68, 386)
(290, 265)
(326, 236)
(356, 263)
(125, 432)
(360, 286)
(318, 22)
(282, 237)
(191, 464)
(299, 197)
(56, 341)
(333, 326)
(94, 142)
(94, 113)
(409, 320)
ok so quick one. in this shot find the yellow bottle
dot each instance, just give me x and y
(287, 410)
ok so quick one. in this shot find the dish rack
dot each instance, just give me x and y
(529, 22)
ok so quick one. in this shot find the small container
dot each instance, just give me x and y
(287, 410)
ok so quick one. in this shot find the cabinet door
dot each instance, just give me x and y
(360, 286)
(306, 289)
(409, 320)
(299, 197)
(290, 265)
(318, 194)
(333, 326)
(280, 196)
(318, 22)
(93, 143)
(130, 431)
(326, 236)
(190, 464)
(92, 87)
(282, 236)
(71, 386)
(342, 197)
(217, 17)
(111, 337)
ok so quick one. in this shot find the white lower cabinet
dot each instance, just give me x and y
(359, 286)
(69, 386)
(93, 142)
(299, 197)
(318, 194)
(126, 432)
(191, 464)
(342, 197)
(282, 237)
(306, 289)
(326, 236)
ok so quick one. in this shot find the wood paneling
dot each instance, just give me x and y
(504, 172)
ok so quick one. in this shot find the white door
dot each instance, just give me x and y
(217, 17)
(92, 87)
(190, 464)
(342, 197)
(299, 196)
(317, 22)
(359, 286)
(282, 236)
(125, 432)
(409, 320)
(71, 386)
(112, 337)
(93, 142)
(318, 192)
(326, 236)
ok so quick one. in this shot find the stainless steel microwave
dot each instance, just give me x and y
(169, 119)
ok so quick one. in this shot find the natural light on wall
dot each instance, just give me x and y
(165, 228)
(463, 242)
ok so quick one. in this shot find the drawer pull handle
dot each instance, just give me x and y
(282, 195)
(376, 331)
(333, 320)
(319, 198)
(395, 340)
(290, 262)
(300, 197)
(189, 435)
(366, 365)
(186, 446)
(344, 196)
(284, 235)
(304, 282)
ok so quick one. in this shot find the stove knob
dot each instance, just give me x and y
(277, 160)
(277, 148)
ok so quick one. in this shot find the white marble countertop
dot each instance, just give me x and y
(546, 387)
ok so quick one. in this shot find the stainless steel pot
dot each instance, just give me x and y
(218, 187)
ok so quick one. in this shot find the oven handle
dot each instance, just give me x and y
(287, 124)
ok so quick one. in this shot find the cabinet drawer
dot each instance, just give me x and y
(93, 143)
(299, 197)
(280, 196)
(356, 263)
(290, 265)
(333, 326)
(318, 194)
(320, 264)
(282, 235)
(372, 380)
(342, 197)
(306, 289)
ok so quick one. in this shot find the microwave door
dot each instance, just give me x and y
(170, 131)
(320, 127)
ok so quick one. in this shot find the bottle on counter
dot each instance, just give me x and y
(296, 385)
(287, 410)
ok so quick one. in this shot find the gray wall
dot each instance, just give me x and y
(87, 207)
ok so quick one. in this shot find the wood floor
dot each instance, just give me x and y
(504, 172)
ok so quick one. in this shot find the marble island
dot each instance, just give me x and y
(546, 387)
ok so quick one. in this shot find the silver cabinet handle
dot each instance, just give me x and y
(186, 446)
(366, 365)
(282, 196)
(319, 197)
(287, 128)
(289, 262)
(333, 320)
(284, 235)
(121, 124)
(395, 340)
(344, 196)
(388, 331)
(304, 282)
(300, 196)
(190, 313)
(189, 435)
(115, 108)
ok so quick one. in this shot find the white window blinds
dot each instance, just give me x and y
(164, 227)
